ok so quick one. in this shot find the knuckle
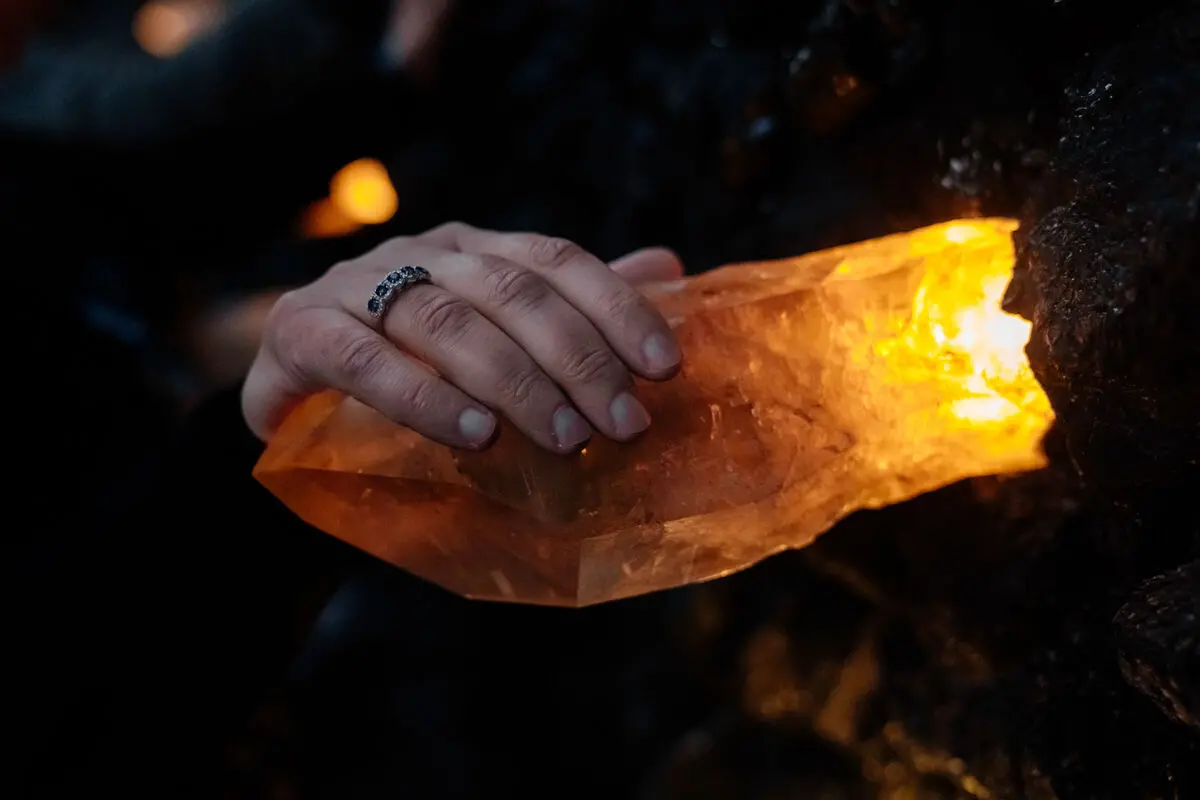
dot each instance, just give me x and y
(340, 269)
(419, 399)
(389, 252)
(552, 252)
(519, 384)
(286, 305)
(357, 358)
(286, 332)
(452, 227)
(508, 286)
(619, 303)
(443, 317)
(589, 365)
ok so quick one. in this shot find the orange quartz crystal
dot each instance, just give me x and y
(813, 386)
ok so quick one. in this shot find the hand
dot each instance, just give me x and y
(528, 326)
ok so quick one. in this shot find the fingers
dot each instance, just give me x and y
(631, 326)
(561, 340)
(530, 326)
(308, 349)
(649, 265)
(449, 333)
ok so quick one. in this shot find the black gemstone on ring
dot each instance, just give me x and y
(374, 306)
(394, 277)
(382, 289)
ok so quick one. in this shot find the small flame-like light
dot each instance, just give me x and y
(363, 192)
(164, 28)
(844, 84)
(983, 409)
(961, 233)
(324, 220)
(957, 324)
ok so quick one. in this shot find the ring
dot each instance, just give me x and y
(393, 284)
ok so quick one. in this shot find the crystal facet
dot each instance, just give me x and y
(811, 387)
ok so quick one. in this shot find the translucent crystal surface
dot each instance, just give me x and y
(813, 386)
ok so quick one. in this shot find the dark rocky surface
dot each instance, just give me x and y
(1158, 631)
(1110, 275)
(974, 658)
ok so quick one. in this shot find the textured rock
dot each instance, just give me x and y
(1109, 273)
(1159, 634)
(1108, 270)
(850, 378)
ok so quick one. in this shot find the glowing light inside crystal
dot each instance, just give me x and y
(811, 387)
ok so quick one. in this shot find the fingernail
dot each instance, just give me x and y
(629, 416)
(660, 352)
(476, 426)
(570, 428)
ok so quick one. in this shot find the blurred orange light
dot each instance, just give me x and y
(164, 28)
(324, 220)
(362, 191)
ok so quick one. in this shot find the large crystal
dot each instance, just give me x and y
(813, 386)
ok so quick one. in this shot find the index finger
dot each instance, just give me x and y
(629, 323)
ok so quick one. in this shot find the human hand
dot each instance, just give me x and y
(529, 326)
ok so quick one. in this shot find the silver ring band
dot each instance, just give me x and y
(393, 284)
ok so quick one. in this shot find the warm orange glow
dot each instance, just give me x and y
(844, 84)
(324, 220)
(164, 28)
(363, 192)
(958, 333)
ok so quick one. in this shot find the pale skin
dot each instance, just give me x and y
(516, 325)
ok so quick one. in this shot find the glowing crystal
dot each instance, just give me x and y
(850, 378)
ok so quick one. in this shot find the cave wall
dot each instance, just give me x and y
(1109, 273)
